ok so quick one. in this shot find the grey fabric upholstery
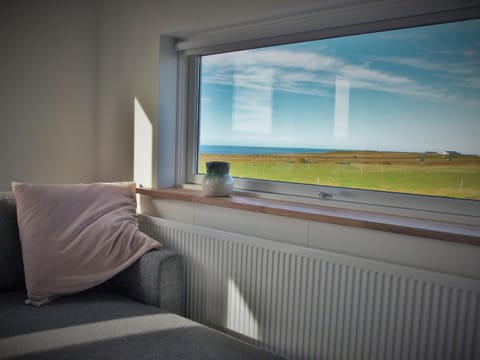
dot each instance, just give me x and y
(102, 325)
(155, 279)
(89, 306)
(11, 266)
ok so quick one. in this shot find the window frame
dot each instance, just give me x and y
(189, 77)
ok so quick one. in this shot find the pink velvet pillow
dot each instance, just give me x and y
(77, 236)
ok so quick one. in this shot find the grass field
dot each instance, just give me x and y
(415, 173)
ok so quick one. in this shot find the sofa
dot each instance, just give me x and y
(135, 315)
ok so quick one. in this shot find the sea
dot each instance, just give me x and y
(257, 150)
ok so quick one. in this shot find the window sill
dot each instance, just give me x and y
(468, 234)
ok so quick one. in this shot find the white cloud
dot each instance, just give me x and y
(314, 74)
(273, 57)
(423, 64)
(473, 82)
(355, 72)
(257, 77)
(469, 53)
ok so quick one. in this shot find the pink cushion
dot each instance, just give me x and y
(76, 236)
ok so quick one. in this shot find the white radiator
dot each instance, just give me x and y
(309, 304)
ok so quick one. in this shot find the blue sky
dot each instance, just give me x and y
(415, 89)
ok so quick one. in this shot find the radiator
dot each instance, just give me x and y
(309, 304)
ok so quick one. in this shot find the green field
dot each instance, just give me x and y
(455, 176)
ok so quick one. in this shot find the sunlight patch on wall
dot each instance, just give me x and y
(143, 147)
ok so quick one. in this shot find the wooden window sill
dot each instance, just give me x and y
(460, 233)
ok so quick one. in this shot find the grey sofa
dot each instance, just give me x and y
(135, 315)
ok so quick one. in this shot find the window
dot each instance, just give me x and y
(390, 116)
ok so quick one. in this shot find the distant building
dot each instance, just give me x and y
(449, 152)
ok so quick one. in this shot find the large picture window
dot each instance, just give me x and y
(395, 111)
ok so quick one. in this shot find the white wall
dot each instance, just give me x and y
(47, 91)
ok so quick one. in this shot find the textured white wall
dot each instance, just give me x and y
(47, 91)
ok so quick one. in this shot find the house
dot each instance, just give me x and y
(450, 152)
(76, 75)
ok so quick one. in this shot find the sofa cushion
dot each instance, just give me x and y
(74, 237)
(11, 267)
(101, 325)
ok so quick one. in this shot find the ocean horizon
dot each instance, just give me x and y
(271, 150)
(258, 150)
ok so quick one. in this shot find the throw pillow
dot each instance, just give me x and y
(75, 237)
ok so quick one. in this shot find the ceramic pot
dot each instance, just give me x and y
(217, 181)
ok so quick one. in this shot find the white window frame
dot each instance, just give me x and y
(460, 210)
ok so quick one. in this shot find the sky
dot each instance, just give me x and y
(415, 89)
